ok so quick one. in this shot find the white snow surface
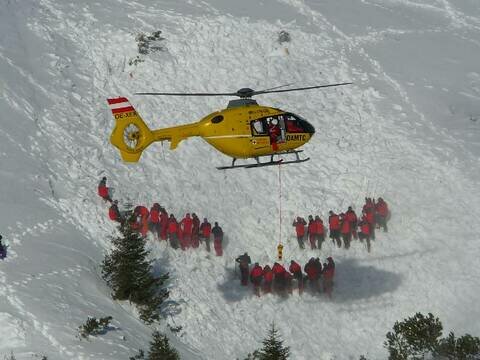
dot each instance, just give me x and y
(408, 130)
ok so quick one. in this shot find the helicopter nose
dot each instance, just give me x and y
(308, 128)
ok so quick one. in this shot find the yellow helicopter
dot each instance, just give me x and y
(243, 130)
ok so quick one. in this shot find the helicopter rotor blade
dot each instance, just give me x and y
(298, 89)
(276, 87)
(186, 94)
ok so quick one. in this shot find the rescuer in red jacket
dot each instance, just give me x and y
(296, 271)
(279, 277)
(312, 232)
(381, 210)
(345, 230)
(103, 191)
(364, 233)
(187, 226)
(114, 213)
(256, 276)
(370, 217)
(328, 274)
(154, 219)
(205, 231)
(334, 224)
(267, 279)
(320, 231)
(299, 224)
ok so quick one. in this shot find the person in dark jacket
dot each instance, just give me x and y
(244, 262)
(172, 232)
(3, 249)
(351, 217)
(195, 231)
(312, 232)
(311, 269)
(217, 239)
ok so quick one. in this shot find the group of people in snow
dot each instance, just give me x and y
(344, 226)
(277, 279)
(3, 249)
(186, 233)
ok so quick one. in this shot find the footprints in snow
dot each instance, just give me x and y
(22, 231)
(68, 273)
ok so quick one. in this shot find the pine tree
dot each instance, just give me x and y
(128, 272)
(272, 347)
(160, 348)
(414, 337)
(463, 348)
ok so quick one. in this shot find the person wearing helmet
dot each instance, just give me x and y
(274, 132)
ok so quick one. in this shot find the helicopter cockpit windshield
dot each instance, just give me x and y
(280, 125)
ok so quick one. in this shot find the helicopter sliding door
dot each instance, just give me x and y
(271, 126)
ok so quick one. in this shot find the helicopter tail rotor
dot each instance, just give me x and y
(130, 135)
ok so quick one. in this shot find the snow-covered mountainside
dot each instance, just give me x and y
(408, 130)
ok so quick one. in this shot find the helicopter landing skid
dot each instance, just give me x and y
(268, 163)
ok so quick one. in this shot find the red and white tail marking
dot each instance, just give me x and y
(120, 105)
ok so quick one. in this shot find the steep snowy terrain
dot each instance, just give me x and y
(407, 130)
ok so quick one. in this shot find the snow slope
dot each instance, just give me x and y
(406, 130)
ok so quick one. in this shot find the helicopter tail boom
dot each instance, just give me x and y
(131, 135)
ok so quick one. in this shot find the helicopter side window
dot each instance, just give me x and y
(293, 125)
(258, 127)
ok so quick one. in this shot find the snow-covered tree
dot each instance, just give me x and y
(273, 348)
(128, 272)
(160, 348)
